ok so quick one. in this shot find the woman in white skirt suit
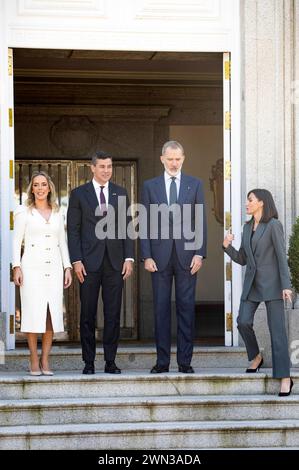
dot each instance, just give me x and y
(43, 269)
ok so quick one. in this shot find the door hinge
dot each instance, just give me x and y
(228, 271)
(227, 69)
(227, 120)
(11, 324)
(229, 321)
(227, 170)
(11, 169)
(10, 61)
(11, 224)
(10, 117)
(228, 220)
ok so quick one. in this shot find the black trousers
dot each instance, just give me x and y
(111, 282)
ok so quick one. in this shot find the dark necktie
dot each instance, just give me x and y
(173, 191)
(172, 200)
(103, 202)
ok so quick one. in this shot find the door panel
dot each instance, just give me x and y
(7, 151)
(228, 319)
(66, 176)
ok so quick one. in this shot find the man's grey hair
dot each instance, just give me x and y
(173, 144)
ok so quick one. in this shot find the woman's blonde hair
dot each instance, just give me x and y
(30, 202)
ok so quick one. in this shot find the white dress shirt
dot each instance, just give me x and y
(168, 180)
(97, 188)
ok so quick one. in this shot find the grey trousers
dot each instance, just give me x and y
(276, 324)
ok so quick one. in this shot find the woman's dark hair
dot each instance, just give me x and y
(269, 208)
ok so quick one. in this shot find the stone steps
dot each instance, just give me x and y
(147, 409)
(158, 435)
(128, 357)
(137, 383)
(215, 408)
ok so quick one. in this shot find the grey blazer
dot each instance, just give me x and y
(264, 255)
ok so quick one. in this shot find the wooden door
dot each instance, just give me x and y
(67, 175)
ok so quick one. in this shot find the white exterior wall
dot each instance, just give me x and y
(295, 104)
(270, 129)
(268, 44)
(265, 135)
(202, 25)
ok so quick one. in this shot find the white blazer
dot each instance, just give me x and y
(43, 262)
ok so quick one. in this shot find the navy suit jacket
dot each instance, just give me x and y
(81, 223)
(191, 192)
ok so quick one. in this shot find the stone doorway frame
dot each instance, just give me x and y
(204, 28)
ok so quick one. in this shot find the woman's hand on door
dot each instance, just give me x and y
(228, 239)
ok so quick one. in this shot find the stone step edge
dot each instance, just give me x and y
(146, 427)
(47, 403)
(136, 375)
(56, 351)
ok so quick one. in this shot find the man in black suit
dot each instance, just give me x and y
(101, 257)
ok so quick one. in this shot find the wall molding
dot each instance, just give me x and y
(119, 113)
(188, 10)
(46, 8)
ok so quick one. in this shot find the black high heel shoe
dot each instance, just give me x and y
(251, 371)
(286, 394)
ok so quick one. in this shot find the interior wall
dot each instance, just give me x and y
(70, 119)
(203, 146)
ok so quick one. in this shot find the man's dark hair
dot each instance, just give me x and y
(269, 208)
(100, 155)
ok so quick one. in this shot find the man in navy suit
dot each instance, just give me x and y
(100, 260)
(175, 256)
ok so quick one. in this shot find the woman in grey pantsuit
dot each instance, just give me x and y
(266, 280)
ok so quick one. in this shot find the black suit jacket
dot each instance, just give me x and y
(81, 228)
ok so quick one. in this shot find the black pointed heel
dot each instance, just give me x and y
(252, 371)
(286, 394)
